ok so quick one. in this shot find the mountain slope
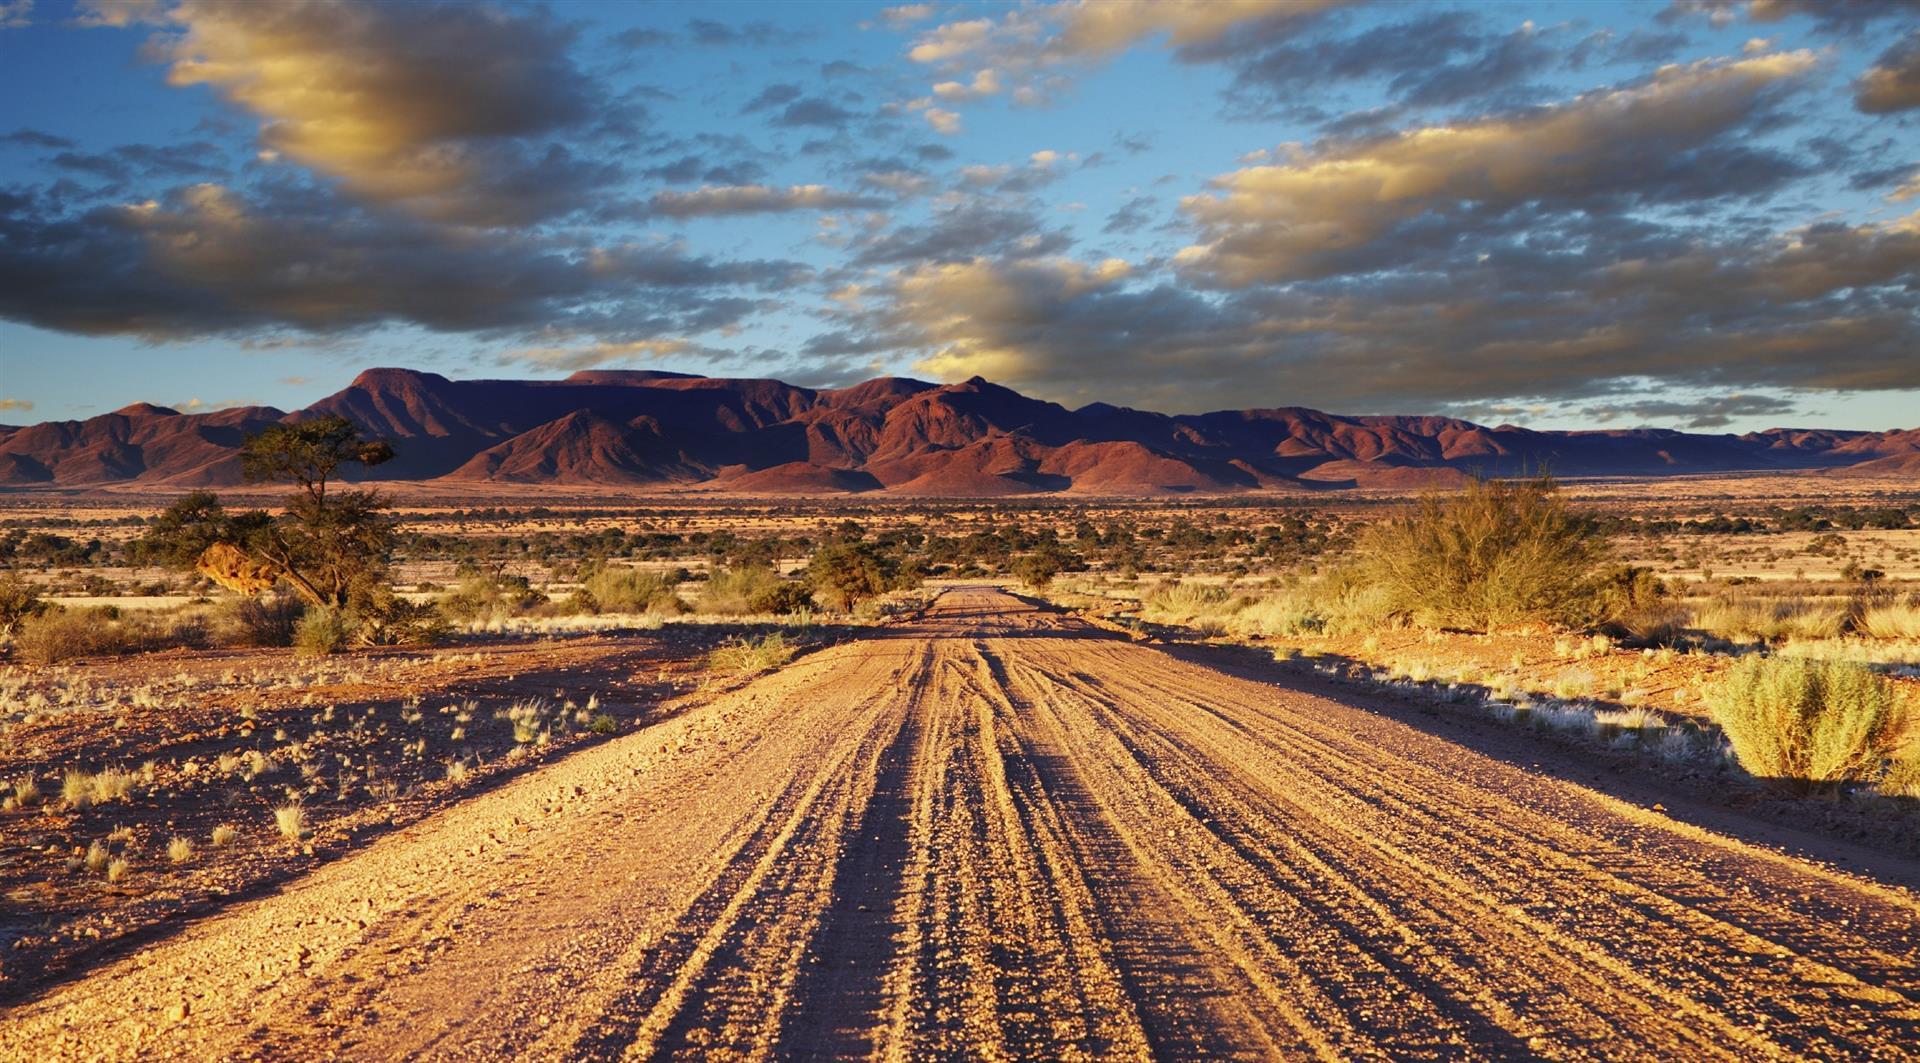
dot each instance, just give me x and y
(647, 429)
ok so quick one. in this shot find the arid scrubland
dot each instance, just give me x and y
(168, 742)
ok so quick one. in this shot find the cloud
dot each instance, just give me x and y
(1028, 40)
(722, 200)
(445, 109)
(906, 14)
(711, 34)
(1841, 17)
(594, 355)
(963, 231)
(209, 260)
(1131, 216)
(194, 159)
(814, 111)
(1431, 59)
(772, 96)
(984, 83)
(16, 14)
(34, 138)
(946, 123)
(1893, 82)
(1715, 411)
(10, 405)
(1605, 308)
(1333, 209)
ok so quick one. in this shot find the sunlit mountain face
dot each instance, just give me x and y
(1702, 216)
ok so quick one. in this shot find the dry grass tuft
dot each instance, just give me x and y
(751, 656)
(290, 820)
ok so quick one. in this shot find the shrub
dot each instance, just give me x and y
(733, 591)
(1037, 570)
(63, 634)
(379, 617)
(1813, 723)
(603, 724)
(785, 598)
(179, 850)
(320, 632)
(490, 595)
(263, 621)
(748, 656)
(1495, 552)
(1903, 775)
(845, 574)
(631, 590)
(224, 835)
(18, 601)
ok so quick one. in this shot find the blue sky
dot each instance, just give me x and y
(1697, 215)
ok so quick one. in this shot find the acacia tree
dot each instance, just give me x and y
(330, 544)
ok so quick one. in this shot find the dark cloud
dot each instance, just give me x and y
(34, 138)
(643, 37)
(207, 260)
(772, 96)
(1893, 82)
(195, 159)
(1434, 59)
(729, 200)
(1131, 216)
(840, 68)
(713, 34)
(1716, 411)
(962, 232)
(814, 111)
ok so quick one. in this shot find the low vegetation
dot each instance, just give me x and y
(1810, 724)
(750, 656)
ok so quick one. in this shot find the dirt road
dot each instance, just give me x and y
(994, 832)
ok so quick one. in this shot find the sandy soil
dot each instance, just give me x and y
(995, 832)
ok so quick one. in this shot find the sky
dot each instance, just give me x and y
(1702, 214)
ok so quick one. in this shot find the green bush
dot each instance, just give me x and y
(486, 596)
(734, 591)
(784, 598)
(19, 600)
(845, 574)
(1495, 552)
(1810, 723)
(321, 632)
(612, 589)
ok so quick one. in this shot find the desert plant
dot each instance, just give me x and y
(1812, 724)
(1495, 552)
(320, 632)
(603, 724)
(98, 856)
(1891, 621)
(62, 634)
(264, 621)
(748, 656)
(490, 594)
(179, 850)
(26, 792)
(224, 835)
(733, 591)
(614, 589)
(844, 574)
(290, 820)
(18, 601)
(117, 868)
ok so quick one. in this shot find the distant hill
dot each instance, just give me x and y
(653, 430)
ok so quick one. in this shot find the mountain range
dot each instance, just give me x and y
(656, 430)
